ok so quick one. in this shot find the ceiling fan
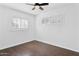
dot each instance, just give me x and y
(38, 4)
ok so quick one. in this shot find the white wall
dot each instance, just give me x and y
(64, 34)
(9, 37)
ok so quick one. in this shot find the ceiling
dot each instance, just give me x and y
(28, 8)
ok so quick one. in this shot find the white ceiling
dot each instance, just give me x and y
(28, 8)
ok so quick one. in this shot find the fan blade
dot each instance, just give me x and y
(44, 4)
(30, 4)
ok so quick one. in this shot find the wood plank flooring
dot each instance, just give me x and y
(36, 48)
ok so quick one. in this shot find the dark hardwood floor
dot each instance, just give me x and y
(36, 48)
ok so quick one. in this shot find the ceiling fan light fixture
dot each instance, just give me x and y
(39, 5)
